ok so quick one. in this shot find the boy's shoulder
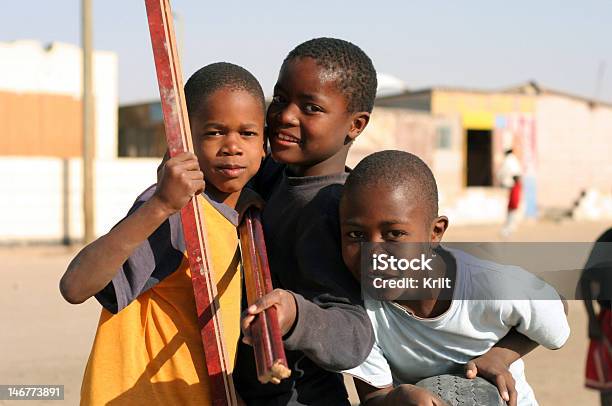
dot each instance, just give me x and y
(485, 279)
(326, 200)
(152, 261)
(147, 193)
(320, 189)
(142, 198)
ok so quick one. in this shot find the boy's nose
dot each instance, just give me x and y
(288, 115)
(376, 238)
(232, 146)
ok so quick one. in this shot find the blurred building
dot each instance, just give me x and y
(41, 144)
(563, 141)
(141, 130)
(40, 100)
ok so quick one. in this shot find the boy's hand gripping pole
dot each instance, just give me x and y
(265, 331)
(178, 136)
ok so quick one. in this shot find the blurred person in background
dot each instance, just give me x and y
(596, 285)
(510, 168)
(514, 201)
(508, 177)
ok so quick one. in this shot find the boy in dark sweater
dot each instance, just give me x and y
(322, 102)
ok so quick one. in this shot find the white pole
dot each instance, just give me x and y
(88, 118)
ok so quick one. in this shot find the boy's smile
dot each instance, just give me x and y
(310, 127)
(227, 133)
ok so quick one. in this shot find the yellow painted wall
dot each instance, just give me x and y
(478, 110)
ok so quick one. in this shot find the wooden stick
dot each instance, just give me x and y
(178, 137)
(265, 331)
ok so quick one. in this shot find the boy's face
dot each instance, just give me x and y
(227, 131)
(381, 214)
(308, 120)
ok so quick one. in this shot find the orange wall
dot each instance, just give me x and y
(40, 125)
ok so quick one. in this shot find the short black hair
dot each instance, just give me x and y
(354, 69)
(398, 170)
(205, 81)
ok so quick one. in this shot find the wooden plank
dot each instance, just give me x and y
(178, 136)
(265, 331)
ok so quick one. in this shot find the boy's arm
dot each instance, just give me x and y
(494, 364)
(598, 265)
(325, 317)
(509, 349)
(536, 322)
(332, 332)
(589, 282)
(332, 327)
(96, 265)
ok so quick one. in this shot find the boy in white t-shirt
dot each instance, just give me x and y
(391, 197)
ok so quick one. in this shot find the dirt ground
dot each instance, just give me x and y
(45, 340)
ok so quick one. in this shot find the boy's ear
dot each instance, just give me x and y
(438, 228)
(266, 134)
(359, 121)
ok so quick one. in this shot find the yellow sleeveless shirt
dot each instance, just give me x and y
(151, 352)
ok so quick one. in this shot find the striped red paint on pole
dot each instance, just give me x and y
(178, 137)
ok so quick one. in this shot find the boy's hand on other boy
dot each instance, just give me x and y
(495, 371)
(411, 395)
(180, 179)
(286, 309)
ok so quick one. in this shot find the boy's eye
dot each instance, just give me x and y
(248, 134)
(312, 108)
(213, 133)
(395, 234)
(355, 235)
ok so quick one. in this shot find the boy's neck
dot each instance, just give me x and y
(229, 199)
(425, 308)
(444, 267)
(331, 166)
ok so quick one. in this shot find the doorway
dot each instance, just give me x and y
(479, 158)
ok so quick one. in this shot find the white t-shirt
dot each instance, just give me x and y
(510, 168)
(408, 348)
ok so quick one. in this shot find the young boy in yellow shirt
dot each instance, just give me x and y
(148, 348)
